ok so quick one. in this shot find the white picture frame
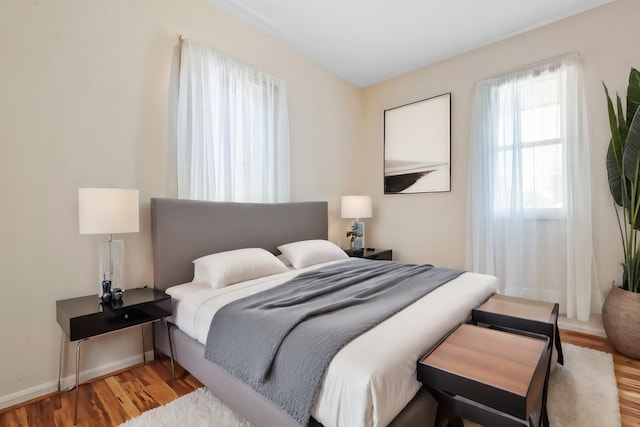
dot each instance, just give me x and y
(417, 146)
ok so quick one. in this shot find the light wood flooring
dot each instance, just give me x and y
(113, 399)
(106, 401)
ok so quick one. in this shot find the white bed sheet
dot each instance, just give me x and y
(373, 377)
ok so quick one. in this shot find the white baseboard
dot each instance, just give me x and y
(592, 327)
(67, 383)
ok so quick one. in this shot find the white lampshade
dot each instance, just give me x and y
(356, 207)
(108, 211)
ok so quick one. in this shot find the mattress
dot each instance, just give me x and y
(373, 377)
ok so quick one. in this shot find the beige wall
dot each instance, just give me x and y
(432, 227)
(88, 98)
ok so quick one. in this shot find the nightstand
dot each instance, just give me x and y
(378, 254)
(86, 317)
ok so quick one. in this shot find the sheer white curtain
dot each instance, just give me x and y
(233, 130)
(529, 201)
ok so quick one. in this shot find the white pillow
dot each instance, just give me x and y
(226, 268)
(178, 292)
(284, 260)
(310, 252)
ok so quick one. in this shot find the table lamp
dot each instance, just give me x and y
(356, 207)
(109, 211)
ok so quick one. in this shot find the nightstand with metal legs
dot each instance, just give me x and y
(86, 317)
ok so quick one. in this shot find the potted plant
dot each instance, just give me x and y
(621, 309)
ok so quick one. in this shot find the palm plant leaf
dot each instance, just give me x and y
(631, 156)
(615, 155)
(614, 175)
(633, 95)
(631, 165)
(623, 127)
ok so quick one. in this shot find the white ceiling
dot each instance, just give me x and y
(367, 41)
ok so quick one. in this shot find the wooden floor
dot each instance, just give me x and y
(106, 401)
(111, 400)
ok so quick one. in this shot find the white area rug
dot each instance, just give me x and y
(199, 408)
(583, 393)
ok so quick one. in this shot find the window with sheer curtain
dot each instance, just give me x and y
(233, 130)
(529, 200)
(530, 145)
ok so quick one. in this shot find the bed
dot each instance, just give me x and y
(184, 230)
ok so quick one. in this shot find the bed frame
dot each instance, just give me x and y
(184, 230)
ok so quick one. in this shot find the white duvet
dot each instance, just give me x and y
(373, 377)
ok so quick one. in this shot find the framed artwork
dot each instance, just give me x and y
(417, 147)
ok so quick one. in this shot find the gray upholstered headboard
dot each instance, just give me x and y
(184, 230)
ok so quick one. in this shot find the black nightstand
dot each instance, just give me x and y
(475, 373)
(86, 317)
(378, 254)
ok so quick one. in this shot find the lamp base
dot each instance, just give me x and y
(358, 243)
(111, 265)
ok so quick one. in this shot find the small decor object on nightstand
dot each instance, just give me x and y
(106, 291)
(356, 207)
(117, 294)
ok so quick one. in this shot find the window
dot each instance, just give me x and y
(529, 195)
(530, 149)
(233, 131)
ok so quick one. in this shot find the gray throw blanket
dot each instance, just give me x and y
(280, 341)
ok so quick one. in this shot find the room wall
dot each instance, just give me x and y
(88, 98)
(432, 227)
